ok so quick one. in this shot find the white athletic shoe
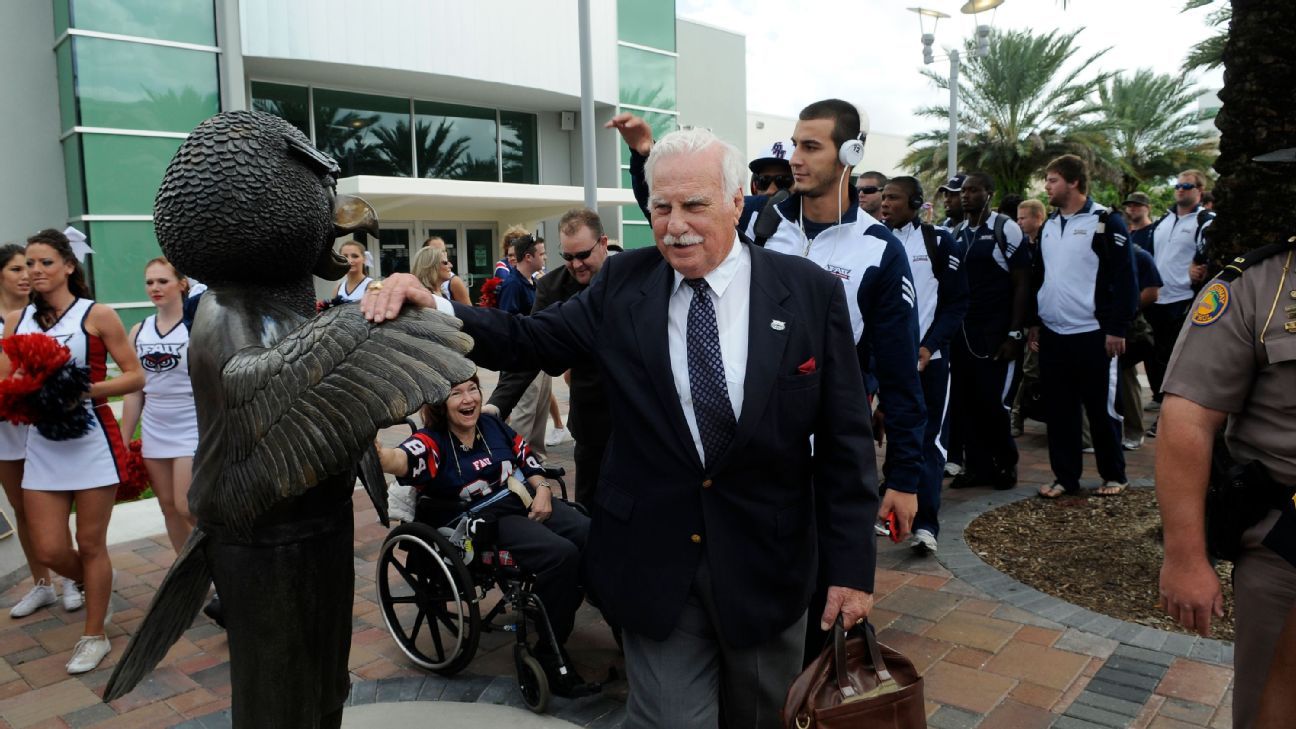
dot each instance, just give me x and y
(1132, 444)
(39, 596)
(90, 650)
(557, 436)
(923, 542)
(73, 600)
(952, 469)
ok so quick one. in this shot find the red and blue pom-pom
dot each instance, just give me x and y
(45, 388)
(136, 481)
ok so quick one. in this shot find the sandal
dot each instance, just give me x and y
(1052, 491)
(1111, 488)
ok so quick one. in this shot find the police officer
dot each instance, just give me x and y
(1234, 364)
(940, 282)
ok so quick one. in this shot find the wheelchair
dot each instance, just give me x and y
(431, 582)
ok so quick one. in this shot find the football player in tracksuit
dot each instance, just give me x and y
(988, 345)
(940, 282)
(1086, 301)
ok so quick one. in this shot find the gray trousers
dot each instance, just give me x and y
(1264, 590)
(681, 681)
(530, 417)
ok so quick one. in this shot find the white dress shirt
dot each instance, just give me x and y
(730, 292)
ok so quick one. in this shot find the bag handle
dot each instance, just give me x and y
(842, 676)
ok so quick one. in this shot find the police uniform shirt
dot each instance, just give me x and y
(989, 271)
(1237, 354)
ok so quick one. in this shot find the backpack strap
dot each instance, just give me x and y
(1001, 240)
(933, 252)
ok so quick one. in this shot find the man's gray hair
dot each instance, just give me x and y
(689, 141)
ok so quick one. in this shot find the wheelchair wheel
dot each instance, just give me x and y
(531, 679)
(428, 598)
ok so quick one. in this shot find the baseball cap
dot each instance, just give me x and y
(954, 185)
(779, 151)
(1138, 198)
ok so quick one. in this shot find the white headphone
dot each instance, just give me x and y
(851, 151)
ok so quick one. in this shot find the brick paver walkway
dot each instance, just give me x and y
(994, 655)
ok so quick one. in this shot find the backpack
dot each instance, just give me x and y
(933, 253)
(1001, 240)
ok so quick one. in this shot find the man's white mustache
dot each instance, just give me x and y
(683, 240)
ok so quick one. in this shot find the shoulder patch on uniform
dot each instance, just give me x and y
(1211, 306)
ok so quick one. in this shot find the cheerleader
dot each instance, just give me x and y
(169, 435)
(14, 293)
(352, 288)
(86, 469)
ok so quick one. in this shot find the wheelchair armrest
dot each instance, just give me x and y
(554, 472)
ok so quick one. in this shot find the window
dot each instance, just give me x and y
(291, 103)
(121, 248)
(187, 21)
(519, 146)
(122, 174)
(647, 78)
(647, 23)
(138, 86)
(366, 134)
(662, 124)
(455, 142)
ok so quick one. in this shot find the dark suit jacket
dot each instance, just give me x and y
(753, 514)
(588, 420)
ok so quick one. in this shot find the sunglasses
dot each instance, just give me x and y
(784, 182)
(569, 257)
(868, 189)
(1185, 186)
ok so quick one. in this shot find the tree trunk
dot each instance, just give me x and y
(1256, 201)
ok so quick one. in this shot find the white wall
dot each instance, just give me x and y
(711, 85)
(526, 43)
(882, 150)
(32, 191)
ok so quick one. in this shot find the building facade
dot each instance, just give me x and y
(453, 119)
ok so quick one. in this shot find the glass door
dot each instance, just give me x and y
(450, 234)
(479, 252)
(392, 249)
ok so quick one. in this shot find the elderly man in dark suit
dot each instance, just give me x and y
(720, 360)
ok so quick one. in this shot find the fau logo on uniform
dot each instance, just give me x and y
(838, 271)
(160, 358)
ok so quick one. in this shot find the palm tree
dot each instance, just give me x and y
(1152, 124)
(1028, 101)
(1253, 199)
(1208, 54)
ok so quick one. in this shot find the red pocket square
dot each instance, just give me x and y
(806, 367)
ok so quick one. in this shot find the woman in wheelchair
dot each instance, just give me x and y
(461, 460)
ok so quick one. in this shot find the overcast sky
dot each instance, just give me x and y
(791, 61)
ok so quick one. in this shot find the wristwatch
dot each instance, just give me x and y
(1017, 335)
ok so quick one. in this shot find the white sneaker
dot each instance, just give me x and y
(1132, 444)
(880, 529)
(73, 600)
(39, 596)
(1087, 449)
(556, 436)
(923, 542)
(90, 650)
(952, 469)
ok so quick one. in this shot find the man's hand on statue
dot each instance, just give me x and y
(634, 130)
(383, 300)
(853, 605)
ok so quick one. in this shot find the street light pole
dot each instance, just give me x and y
(953, 113)
(589, 171)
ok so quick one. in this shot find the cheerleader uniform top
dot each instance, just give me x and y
(169, 423)
(441, 467)
(355, 294)
(91, 460)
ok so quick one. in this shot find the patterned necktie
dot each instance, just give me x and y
(711, 406)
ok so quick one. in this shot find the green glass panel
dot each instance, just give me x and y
(629, 212)
(122, 173)
(636, 236)
(647, 78)
(647, 22)
(132, 316)
(518, 141)
(121, 249)
(60, 17)
(662, 124)
(366, 134)
(67, 85)
(455, 142)
(292, 103)
(73, 174)
(187, 21)
(137, 86)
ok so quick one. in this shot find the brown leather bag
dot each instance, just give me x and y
(856, 682)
